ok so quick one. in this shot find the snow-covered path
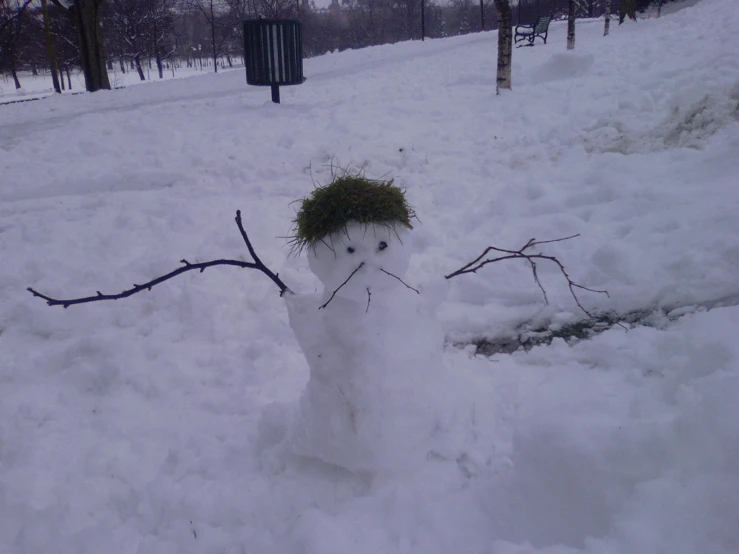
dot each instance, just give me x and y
(133, 426)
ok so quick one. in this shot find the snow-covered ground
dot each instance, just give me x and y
(143, 425)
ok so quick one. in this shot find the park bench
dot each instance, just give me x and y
(529, 32)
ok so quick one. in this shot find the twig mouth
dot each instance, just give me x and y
(367, 288)
(360, 266)
(399, 279)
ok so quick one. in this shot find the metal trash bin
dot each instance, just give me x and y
(273, 52)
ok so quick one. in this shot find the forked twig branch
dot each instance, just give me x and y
(481, 261)
(256, 264)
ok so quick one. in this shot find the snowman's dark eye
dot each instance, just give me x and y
(350, 250)
(382, 245)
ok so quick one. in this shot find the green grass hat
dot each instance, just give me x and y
(330, 208)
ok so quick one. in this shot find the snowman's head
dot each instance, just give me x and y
(361, 258)
(329, 210)
(355, 231)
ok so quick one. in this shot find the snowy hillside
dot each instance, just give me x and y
(147, 425)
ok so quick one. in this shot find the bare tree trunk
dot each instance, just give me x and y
(626, 8)
(571, 25)
(423, 20)
(87, 15)
(137, 61)
(505, 45)
(50, 47)
(659, 8)
(69, 79)
(157, 50)
(607, 27)
(213, 35)
(372, 22)
(13, 71)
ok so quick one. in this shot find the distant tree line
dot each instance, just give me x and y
(150, 37)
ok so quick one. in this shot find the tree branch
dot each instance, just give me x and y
(480, 262)
(257, 264)
(19, 9)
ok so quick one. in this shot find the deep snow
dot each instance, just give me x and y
(139, 426)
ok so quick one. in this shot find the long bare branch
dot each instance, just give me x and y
(139, 288)
(187, 266)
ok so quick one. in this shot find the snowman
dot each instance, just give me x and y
(378, 395)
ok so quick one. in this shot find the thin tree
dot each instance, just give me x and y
(66, 42)
(128, 20)
(238, 11)
(50, 47)
(464, 18)
(423, 20)
(161, 30)
(505, 45)
(220, 30)
(607, 27)
(571, 7)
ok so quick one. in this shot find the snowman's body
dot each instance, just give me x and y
(375, 394)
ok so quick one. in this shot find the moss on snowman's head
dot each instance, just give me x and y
(329, 209)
